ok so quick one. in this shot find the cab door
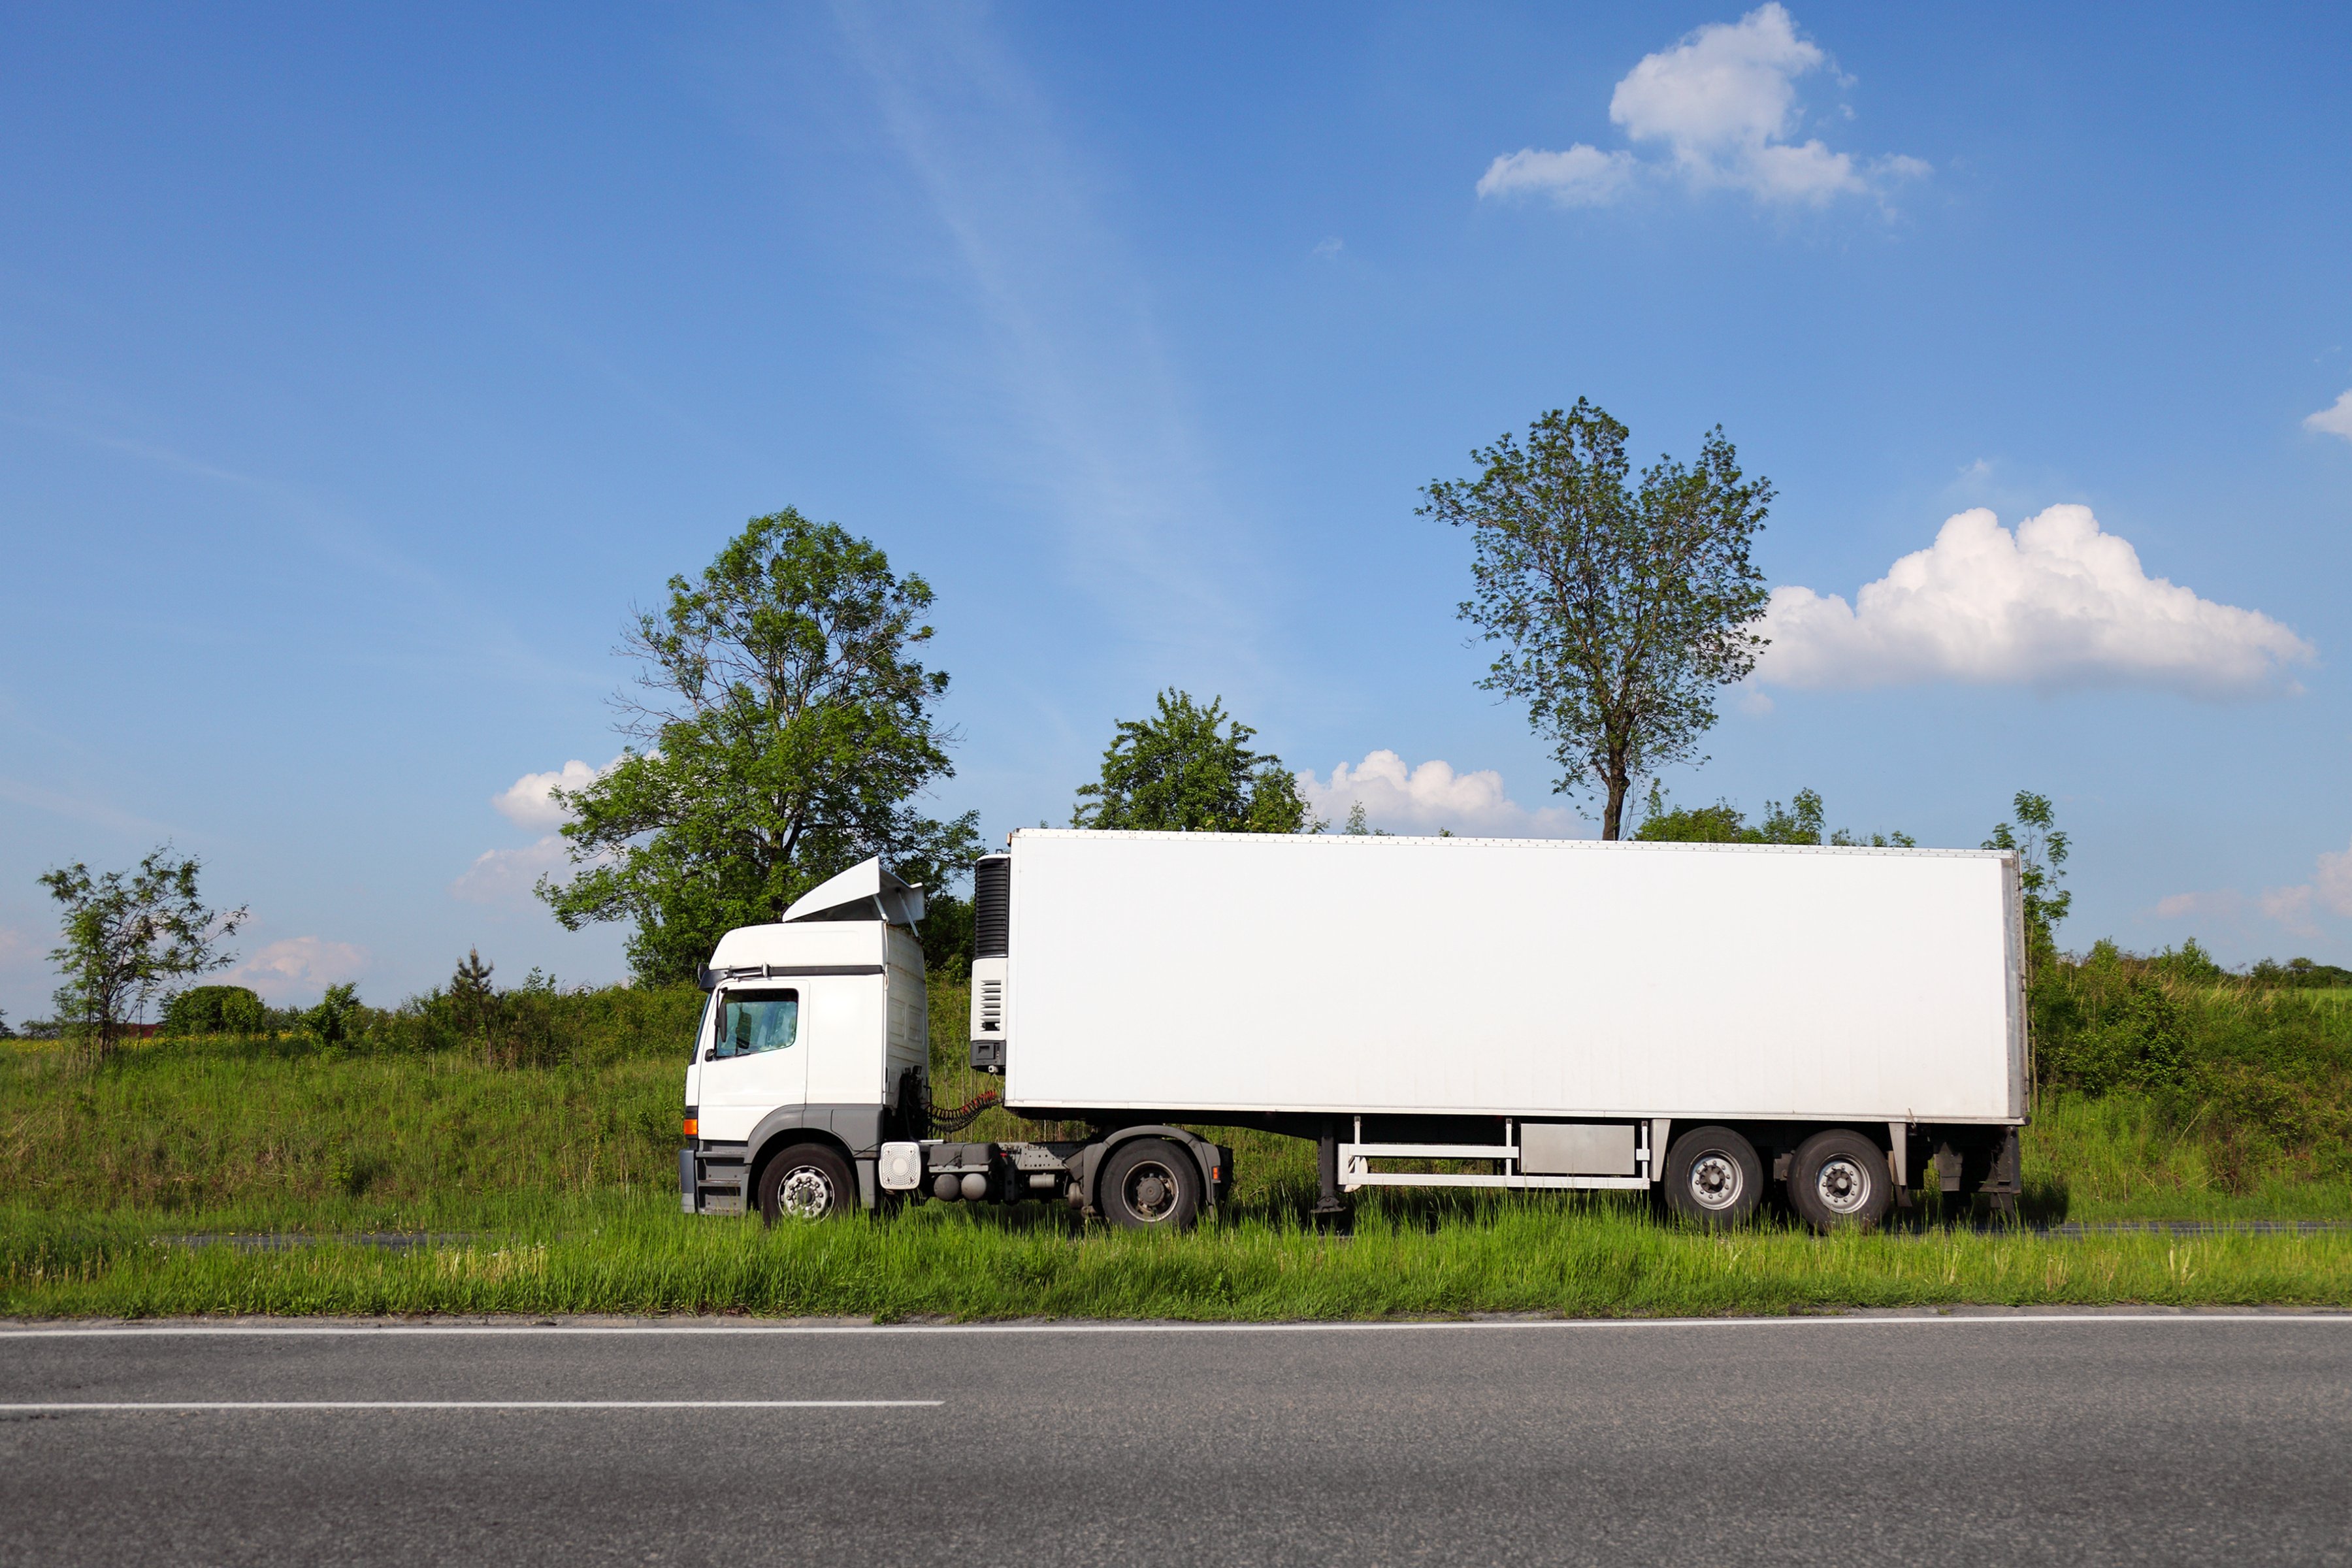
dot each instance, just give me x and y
(754, 1058)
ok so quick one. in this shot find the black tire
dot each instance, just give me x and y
(1150, 1183)
(1713, 1177)
(807, 1182)
(1840, 1181)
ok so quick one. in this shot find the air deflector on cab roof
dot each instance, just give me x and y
(866, 891)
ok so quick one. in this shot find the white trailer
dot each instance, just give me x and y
(1711, 1021)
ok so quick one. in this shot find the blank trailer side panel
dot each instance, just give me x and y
(1548, 978)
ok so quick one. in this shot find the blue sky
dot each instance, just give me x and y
(360, 369)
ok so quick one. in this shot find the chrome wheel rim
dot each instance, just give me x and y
(1716, 1181)
(805, 1193)
(1151, 1191)
(1843, 1185)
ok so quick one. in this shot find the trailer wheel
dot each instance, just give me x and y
(1839, 1181)
(1713, 1177)
(1150, 1183)
(807, 1181)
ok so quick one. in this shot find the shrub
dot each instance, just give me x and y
(215, 1010)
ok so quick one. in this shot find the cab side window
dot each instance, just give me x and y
(755, 1021)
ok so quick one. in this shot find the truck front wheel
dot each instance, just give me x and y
(807, 1181)
(1713, 1177)
(1150, 1183)
(1839, 1181)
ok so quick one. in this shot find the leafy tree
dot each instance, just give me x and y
(2300, 973)
(1799, 822)
(1620, 609)
(2041, 867)
(475, 1000)
(786, 730)
(6, 1032)
(946, 936)
(330, 1021)
(215, 1010)
(128, 935)
(1179, 770)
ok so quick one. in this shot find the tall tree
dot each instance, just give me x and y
(2040, 847)
(1621, 609)
(1179, 770)
(128, 935)
(1799, 822)
(786, 728)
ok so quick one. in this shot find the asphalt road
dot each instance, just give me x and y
(1888, 1442)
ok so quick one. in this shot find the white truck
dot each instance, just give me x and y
(1714, 1022)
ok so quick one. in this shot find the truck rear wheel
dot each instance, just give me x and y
(807, 1181)
(1712, 1177)
(1839, 1181)
(1150, 1183)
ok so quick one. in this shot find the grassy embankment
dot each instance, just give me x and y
(551, 1188)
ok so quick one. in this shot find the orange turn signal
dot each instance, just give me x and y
(692, 1126)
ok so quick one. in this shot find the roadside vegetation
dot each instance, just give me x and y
(512, 1146)
(523, 1148)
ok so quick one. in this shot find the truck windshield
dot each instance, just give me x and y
(751, 1021)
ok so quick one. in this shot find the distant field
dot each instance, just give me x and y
(553, 1189)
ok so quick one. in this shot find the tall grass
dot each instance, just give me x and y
(551, 1188)
(2235, 1086)
(1498, 1254)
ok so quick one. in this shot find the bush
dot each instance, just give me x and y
(2261, 1070)
(215, 1010)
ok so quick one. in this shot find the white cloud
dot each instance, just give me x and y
(2330, 889)
(2335, 420)
(1722, 105)
(2225, 905)
(2057, 604)
(1328, 247)
(1428, 797)
(507, 877)
(1582, 176)
(526, 802)
(299, 967)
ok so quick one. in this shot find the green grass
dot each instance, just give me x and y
(552, 1189)
(1499, 1255)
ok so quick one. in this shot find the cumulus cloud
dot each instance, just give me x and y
(2226, 905)
(1425, 798)
(1582, 176)
(2334, 420)
(2057, 604)
(298, 967)
(506, 878)
(2330, 889)
(1721, 106)
(529, 803)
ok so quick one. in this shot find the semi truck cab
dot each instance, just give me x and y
(813, 1052)
(809, 1091)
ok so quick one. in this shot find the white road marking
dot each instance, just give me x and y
(54, 1405)
(1955, 1318)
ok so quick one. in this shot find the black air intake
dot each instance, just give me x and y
(991, 907)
